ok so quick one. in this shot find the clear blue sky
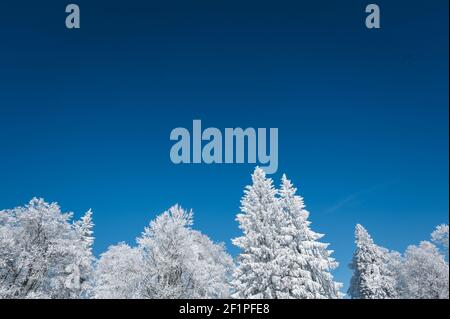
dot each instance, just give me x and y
(85, 115)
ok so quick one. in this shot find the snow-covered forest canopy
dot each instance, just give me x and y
(45, 253)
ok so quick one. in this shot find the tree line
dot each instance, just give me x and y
(44, 253)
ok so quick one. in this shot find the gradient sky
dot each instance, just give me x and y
(85, 115)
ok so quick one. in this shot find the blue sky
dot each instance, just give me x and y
(85, 115)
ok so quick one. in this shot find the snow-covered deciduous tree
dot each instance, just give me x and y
(171, 261)
(216, 268)
(119, 273)
(181, 262)
(373, 274)
(281, 256)
(424, 273)
(42, 254)
(440, 237)
(303, 263)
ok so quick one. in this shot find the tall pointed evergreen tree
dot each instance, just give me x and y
(253, 277)
(372, 277)
(304, 262)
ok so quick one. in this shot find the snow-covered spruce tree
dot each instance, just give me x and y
(119, 273)
(424, 273)
(40, 253)
(303, 264)
(281, 256)
(180, 262)
(259, 220)
(373, 276)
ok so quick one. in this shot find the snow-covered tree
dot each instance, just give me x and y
(373, 274)
(424, 274)
(119, 273)
(281, 256)
(303, 262)
(181, 262)
(85, 259)
(259, 220)
(40, 253)
(440, 237)
(215, 268)
(171, 261)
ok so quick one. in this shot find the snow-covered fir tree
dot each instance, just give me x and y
(41, 252)
(373, 276)
(303, 262)
(259, 218)
(281, 256)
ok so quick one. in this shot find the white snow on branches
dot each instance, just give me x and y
(44, 253)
